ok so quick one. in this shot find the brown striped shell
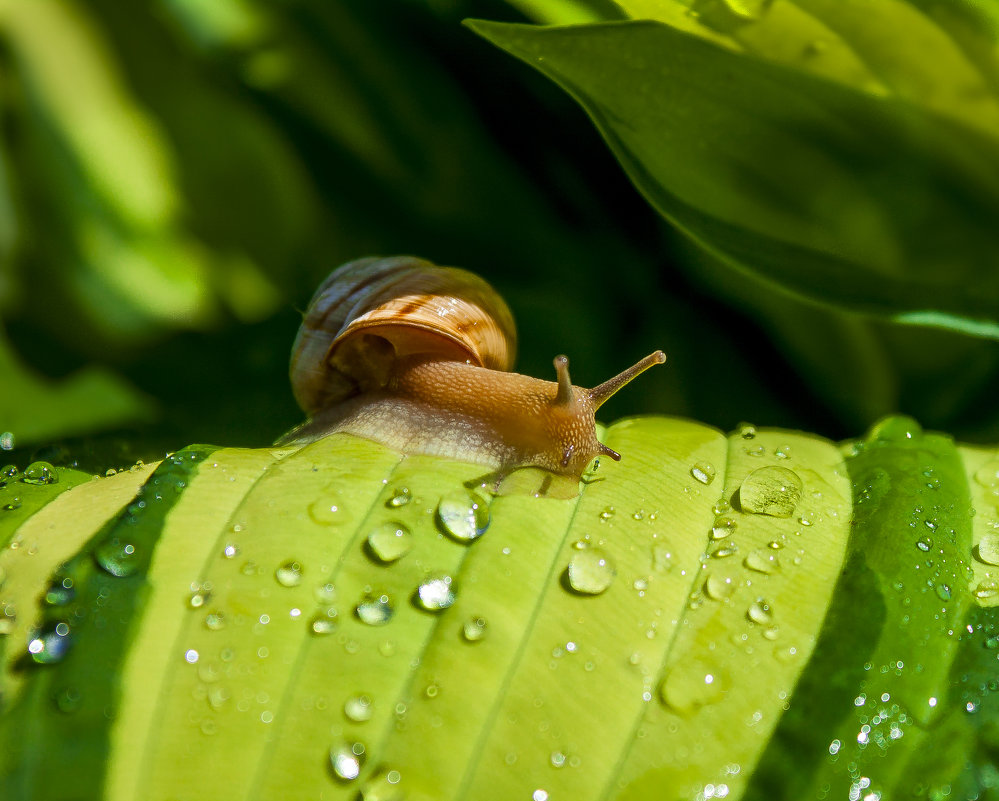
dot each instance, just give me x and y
(371, 311)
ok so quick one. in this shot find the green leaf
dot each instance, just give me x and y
(849, 196)
(697, 607)
(36, 410)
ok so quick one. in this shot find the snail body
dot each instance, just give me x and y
(417, 357)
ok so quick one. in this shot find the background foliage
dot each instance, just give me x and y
(177, 176)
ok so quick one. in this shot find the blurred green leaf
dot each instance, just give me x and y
(873, 203)
(35, 410)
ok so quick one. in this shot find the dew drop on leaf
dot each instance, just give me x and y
(326, 510)
(12, 504)
(435, 593)
(590, 571)
(60, 592)
(464, 516)
(773, 491)
(389, 542)
(117, 557)
(400, 497)
(346, 760)
(988, 548)
(50, 645)
(358, 708)
(703, 472)
(289, 574)
(723, 527)
(324, 622)
(719, 587)
(375, 610)
(762, 560)
(40, 473)
(474, 629)
(895, 429)
(989, 588)
(760, 612)
(691, 685)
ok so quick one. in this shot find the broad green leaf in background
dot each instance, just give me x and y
(878, 196)
(312, 622)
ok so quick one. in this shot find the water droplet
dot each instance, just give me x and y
(723, 527)
(895, 429)
(463, 515)
(117, 557)
(474, 629)
(986, 589)
(435, 593)
(389, 542)
(760, 612)
(762, 560)
(326, 510)
(7, 441)
(607, 513)
(50, 645)
(325, 593)
(60, 592)
(924, 544)
(215, 621)
(746, 430)
(12, 504)
(8, 617)
(773, 491)
(590, 572)
(325, 622)
(662, 558)
(539, 795)
(720, 550)
(375, 610)
(557, 759)
(40, 473)
(988, 474)
(200, 595)
(703, 472)
(358, 708)
(230, 551)
(383, 786)
(346, 760)
(943, 591)
(400, 497)
(988, 548)
(690, 686)
(289, 574)
(718, 587)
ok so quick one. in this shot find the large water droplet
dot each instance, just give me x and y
(691, 685)
(703, 472)
(943, 591)
(358, 708)
(762, 560)
(773, 491)
(346, 760)
(723, 527)
(289, 574)
(12, 504)
(895, 429)
(718, 587)
(51, 644)
(389, 542)
(987, 589)
(40, 473)
(463, 515)
(375, 610)
(117, 557)
(326, 510)
(988, 548)
(435, 593)
(590, 571)
(60, 592)
(760, 612)
(474, 629)
(324, 622)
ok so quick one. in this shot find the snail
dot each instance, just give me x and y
(417, 357)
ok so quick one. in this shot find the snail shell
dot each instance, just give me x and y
(369, 313)
(417, 356)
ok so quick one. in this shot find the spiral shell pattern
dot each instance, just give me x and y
(412, 304)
